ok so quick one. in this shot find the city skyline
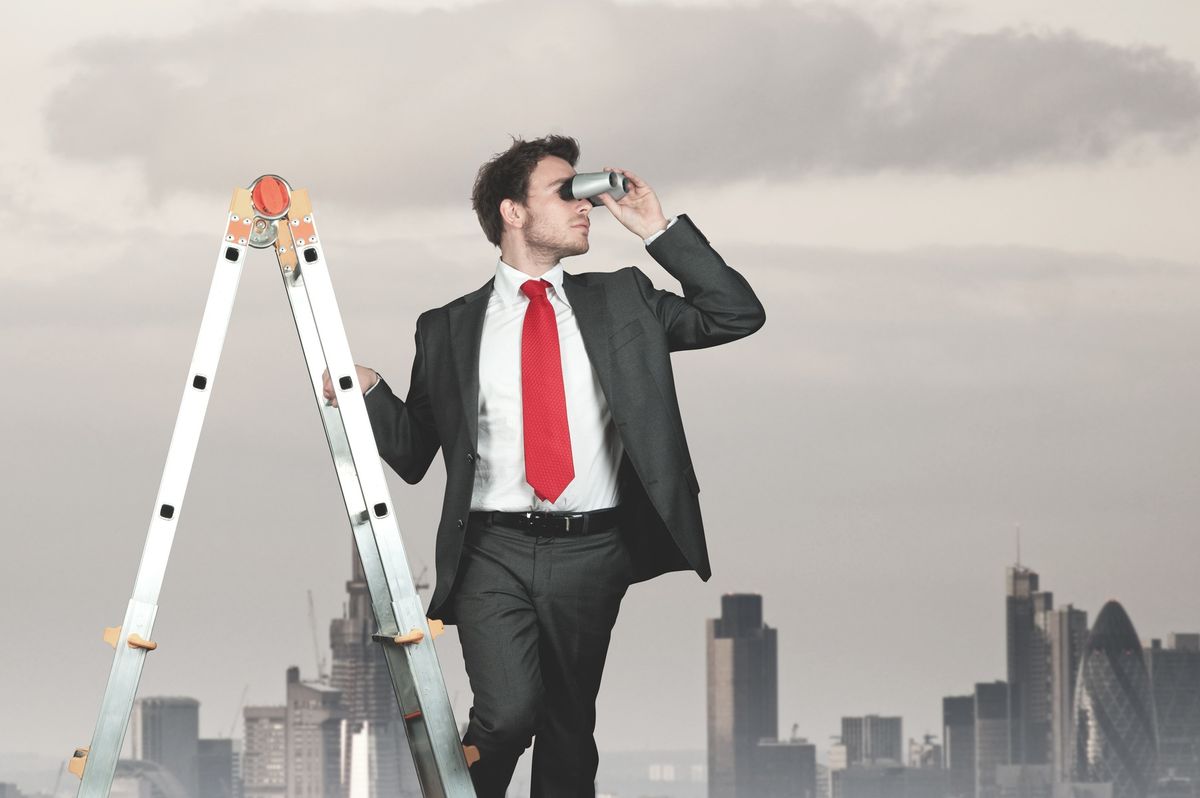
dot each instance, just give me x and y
(969, 223)
(872, 739)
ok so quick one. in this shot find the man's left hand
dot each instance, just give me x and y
(638, 210)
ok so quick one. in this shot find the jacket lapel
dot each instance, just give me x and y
(588, 303)
(466, 332)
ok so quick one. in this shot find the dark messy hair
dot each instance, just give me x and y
(506, 176)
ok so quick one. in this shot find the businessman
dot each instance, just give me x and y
(568, 475)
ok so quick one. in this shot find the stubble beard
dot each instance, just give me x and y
(544, 240)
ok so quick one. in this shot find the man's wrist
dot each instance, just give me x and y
(666, 225)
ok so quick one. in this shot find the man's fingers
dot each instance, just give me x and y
(634, 179)
(610, 203)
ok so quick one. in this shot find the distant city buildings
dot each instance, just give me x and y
(166, 731)
(742, 677)
(376, 761)
(1085, 713)
(1116, 737)
(1027, 609)
(1067, 629)
(264, 752)
(992, 736)
(745, 758)
(873, 740)
(1175, 676)
(958, 744)
(925, 753)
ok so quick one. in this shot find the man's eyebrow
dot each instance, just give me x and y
(558, 183)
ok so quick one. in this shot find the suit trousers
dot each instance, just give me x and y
(535, 615)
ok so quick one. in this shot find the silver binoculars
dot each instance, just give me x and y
(590, 185)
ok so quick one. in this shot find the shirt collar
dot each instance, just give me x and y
(509, 281)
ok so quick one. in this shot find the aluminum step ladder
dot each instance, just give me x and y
(271, 214)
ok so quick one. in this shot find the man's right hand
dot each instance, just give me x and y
(367, 378)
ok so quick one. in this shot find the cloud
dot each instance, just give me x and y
(387, 108)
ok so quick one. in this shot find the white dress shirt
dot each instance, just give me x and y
(596, 447)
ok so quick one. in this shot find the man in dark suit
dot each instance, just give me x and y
(568, 475)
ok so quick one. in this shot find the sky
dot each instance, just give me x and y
(968, 222)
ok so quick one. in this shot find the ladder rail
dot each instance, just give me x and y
(424, 702)
(121, 688)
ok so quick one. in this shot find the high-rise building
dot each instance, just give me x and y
(375, 759)
(873, 739)
(785, 769)
(314, 744)
(1115, 739)
(166, 731)
(1175, 677)
(214, 769)
(1067, 631)
(838, 759)
(1027, 610)
(992, 735)
(958, 744)
(264, 755)
(742, 675)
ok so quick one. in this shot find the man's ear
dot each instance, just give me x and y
(512, 213)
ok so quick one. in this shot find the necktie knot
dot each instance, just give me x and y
(534, 288)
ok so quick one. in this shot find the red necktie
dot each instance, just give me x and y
(548, 464)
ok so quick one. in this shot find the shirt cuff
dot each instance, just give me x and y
(671, 221)
(378, 380)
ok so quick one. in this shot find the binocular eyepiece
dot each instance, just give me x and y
(590, 185)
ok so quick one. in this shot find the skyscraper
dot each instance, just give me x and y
(375, 759)
(314, 745)
(1026, 610)
(1115, 738)
(992, 735)
(742, 675)
(1067, 631)
(1175, 676)
(166, 730)
(958, 744)
(872, 739)
(264, 757)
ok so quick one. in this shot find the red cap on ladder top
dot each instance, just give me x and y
(271, 197)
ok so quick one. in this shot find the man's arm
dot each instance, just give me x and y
(405, 432)
(717, 305)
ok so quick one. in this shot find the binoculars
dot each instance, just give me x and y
(590, 185)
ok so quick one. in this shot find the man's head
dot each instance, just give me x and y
(516, 197)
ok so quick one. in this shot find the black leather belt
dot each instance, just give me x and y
(553, 525)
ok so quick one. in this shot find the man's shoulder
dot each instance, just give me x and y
(620, 276)
(481, 293)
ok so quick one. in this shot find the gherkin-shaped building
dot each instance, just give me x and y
(1115, 738)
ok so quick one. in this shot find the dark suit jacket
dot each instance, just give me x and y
(629, 329)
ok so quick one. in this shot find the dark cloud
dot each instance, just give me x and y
(395, 108)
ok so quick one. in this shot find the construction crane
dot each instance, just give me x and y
(238, 715)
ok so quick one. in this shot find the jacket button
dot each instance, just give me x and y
(470, 457)
(460, 523)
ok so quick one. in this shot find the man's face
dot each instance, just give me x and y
(556, 226)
